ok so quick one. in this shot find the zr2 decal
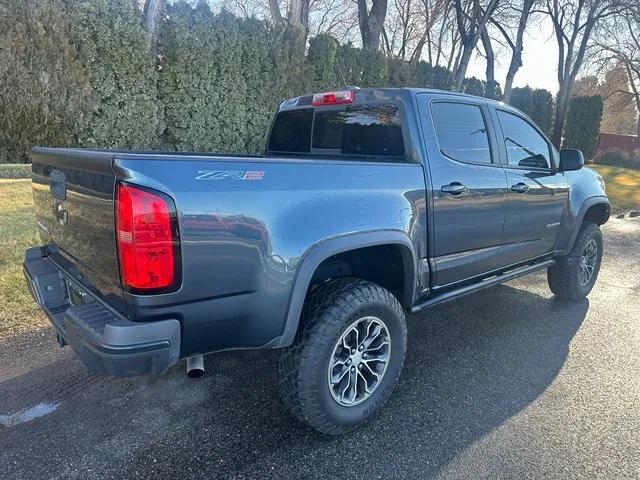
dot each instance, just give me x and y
(233, 174)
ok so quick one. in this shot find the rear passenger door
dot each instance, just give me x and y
(537, 192)
(468, 185)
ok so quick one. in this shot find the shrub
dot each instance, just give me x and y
(112, 47)
(583, 124)
(260, 99)
(536, 103)
(15, 170)
(401, 73)
(616, 157)
(323, 59)
(542, 109)
(45, 94)
(222, 78)
(473, 86)
(492, 90)
(80, 73)
(428, 76)
(200, 84)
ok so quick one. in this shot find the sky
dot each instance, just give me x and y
(539, 60)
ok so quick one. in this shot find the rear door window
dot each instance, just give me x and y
(354, 130)
(461, 132)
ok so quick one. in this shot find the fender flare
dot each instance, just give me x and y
(324, 249)
(586, 205)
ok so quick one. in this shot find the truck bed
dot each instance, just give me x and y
(245, 224)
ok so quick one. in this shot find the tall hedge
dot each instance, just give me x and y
(200, 85)
(325, 62)
(260, 99)
(111, 44)
(535, 102)
(583, 124)
(45, 92)
(222, 78)
(80, 73)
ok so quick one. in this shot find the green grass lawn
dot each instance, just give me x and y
(623, 187)
(18, 311)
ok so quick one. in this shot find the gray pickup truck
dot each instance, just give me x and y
(367, 204)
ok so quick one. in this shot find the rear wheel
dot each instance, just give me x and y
(573, 276)
(346, 357)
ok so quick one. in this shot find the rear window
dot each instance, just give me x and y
(368, 130)
(291, 131)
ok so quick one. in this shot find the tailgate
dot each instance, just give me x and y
(74, 206)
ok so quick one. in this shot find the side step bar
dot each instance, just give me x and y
(466, 290)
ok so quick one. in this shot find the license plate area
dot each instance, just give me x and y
(75, 294)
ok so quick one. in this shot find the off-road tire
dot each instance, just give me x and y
(329, 310)
(563, 276)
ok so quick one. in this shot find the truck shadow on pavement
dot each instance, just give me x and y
(471, 365)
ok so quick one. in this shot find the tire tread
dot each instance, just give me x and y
(324, 310)
(561, 277)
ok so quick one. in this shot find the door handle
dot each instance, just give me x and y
(454, 188)
(520, 187)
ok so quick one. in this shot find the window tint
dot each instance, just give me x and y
(291, 131)
(360, 130)
(525, 146)
(461, 132)
(373, 130)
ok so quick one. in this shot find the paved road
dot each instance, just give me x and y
(507, 383)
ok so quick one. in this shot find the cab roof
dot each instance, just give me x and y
(403, 94)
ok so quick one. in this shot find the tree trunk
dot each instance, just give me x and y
(274, 10)
(371, 22)
(298, 15)
(511, 73)
(461, 68)
(470, 34)
(562, 105)
(491, 61)
(153, 12)
(516, 49)
(638, 123)
(417, 52)
(304, 15)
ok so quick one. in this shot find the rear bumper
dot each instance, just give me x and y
(103, 339)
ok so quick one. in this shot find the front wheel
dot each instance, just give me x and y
(572, 277)
(347, 355)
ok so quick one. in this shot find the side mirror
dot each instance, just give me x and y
(571, 160)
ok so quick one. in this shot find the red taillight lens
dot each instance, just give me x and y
(145, 239)
(333, 98)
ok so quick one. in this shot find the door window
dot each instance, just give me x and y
(524, 145)
(461, 132)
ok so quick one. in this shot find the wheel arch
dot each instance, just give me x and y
(594, 209)
(326, 249)
(597, 213)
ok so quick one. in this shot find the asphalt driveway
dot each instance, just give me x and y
(507, 383)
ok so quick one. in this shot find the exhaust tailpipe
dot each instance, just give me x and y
(195, 366)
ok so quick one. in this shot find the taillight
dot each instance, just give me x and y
(333, 98)
(146, 237)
